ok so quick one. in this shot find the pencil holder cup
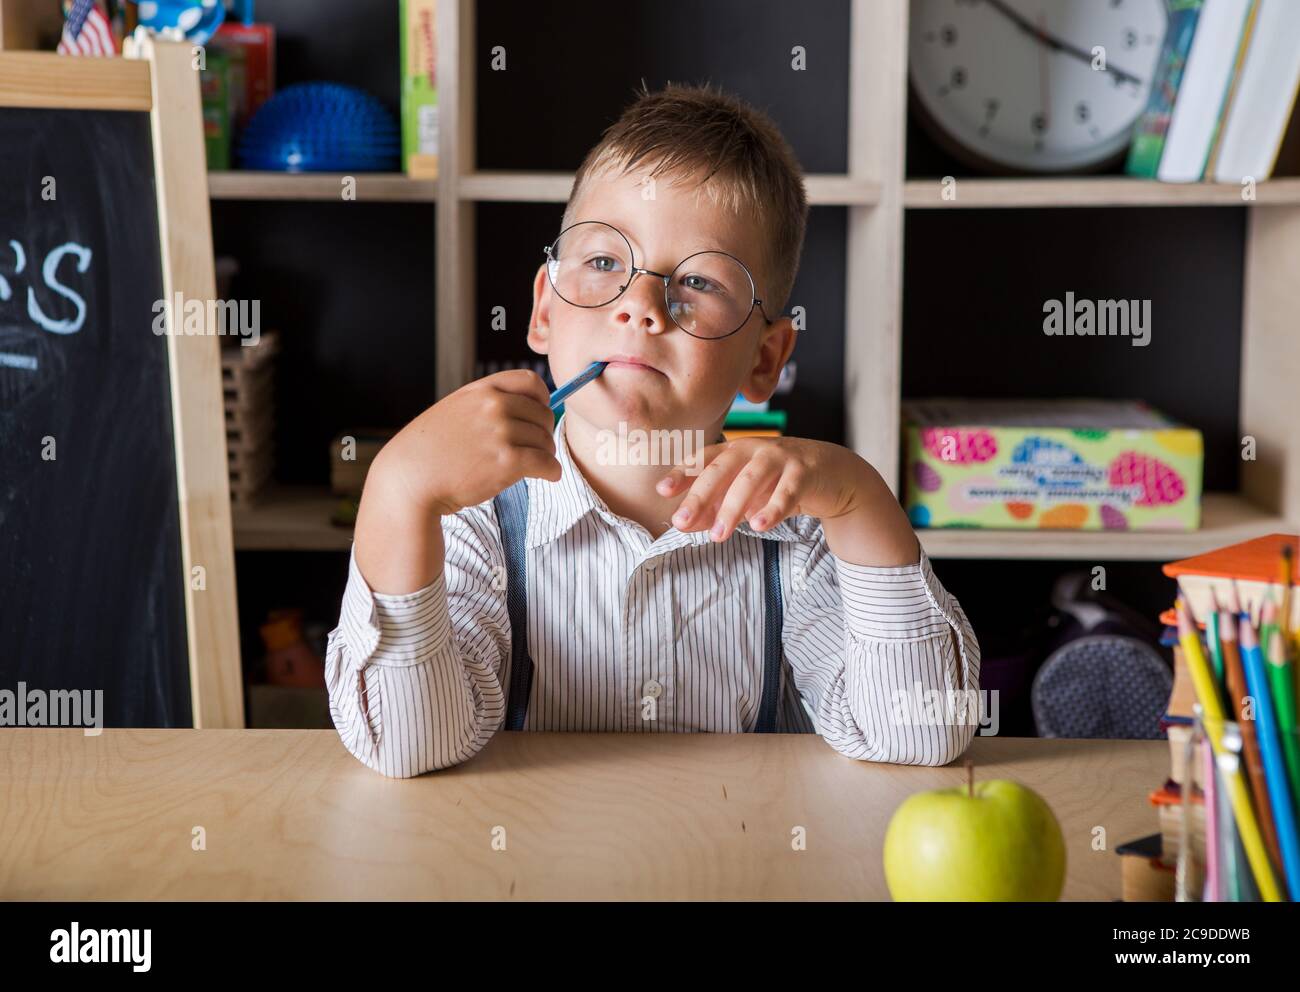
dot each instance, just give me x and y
(1226, 826)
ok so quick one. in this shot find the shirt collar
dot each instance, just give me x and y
(555, 507)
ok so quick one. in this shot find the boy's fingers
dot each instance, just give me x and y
(670, 482)
(705, 493)
(755, 480)
(539, 464)
(782, 503)
(681, 475)
(529, 434)
(523, 381)
(523, 406)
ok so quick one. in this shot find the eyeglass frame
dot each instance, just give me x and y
(635, 270)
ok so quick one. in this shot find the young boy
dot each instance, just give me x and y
(509, 572)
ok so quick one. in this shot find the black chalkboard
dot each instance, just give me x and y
(91, 575)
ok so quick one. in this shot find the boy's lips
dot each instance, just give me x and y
(630, 362)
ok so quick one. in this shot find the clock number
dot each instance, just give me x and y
(1130, 38)
(990, 111)
(958, 79)
(949, 35)
(1081, 112)
(1038, 123)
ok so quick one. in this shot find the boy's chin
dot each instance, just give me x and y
(609, 410)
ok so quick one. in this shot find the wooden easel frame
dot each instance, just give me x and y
(159, 78)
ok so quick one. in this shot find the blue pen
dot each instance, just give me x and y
(577, 382)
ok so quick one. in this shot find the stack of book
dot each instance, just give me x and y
(1223, 94)
(746, 419)
(754, 423)
(1233, 793)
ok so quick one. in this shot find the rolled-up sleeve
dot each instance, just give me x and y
(885, 657)
(414, 680)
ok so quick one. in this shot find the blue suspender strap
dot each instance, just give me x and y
(774, 613)
(512, 514)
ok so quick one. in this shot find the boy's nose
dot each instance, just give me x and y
(643, 305)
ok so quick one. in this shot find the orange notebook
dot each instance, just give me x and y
(1249, 568)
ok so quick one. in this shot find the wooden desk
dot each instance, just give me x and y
(290, 814)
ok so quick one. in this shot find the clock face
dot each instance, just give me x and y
(1022, 83)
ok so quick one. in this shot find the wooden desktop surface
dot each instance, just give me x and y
(290, 814)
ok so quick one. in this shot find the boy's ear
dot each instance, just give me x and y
(539, 324)
(774, 350)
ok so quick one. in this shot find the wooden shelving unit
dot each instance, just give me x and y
(1225, 519)
(290, 518)
(1098, 191)
(239, 185)
(875, 194)
(514, 187)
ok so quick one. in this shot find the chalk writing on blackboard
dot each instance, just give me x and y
(56, 282)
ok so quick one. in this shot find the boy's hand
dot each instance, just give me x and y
(472, 444)
(765, 480)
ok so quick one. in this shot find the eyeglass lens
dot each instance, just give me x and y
(709, 294)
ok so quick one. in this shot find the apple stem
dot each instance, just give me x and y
(970, 778)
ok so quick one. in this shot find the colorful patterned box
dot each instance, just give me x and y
(1079, 464)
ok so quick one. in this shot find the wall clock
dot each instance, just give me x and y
(1016, 85)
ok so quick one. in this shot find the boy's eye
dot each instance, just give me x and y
(604, 263)
(698, 284)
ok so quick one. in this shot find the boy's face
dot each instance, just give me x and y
(687, 382)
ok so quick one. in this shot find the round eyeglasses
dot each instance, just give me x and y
(708, 295)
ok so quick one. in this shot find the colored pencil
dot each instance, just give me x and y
(1291, 640)
(1244, 813)
(1270, 747)
(1283, 690)
(1286, 578)
(1214, 638)
(1237, 694)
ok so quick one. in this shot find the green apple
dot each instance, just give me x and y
(994, 842)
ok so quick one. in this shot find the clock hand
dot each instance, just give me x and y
(1043, 38)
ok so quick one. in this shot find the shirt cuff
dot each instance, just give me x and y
(892, 603)
(392, 629)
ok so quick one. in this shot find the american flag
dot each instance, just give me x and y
(87, 31)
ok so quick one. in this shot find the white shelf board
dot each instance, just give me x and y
(290, 518)
(1225, 519)
(1095, 191)
(554, 187)
(373, 186)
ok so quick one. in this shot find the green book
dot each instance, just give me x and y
(753, 419)
(418, 56)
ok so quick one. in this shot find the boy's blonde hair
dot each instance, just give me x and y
(743, 161)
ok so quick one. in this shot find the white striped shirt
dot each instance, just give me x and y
(617, 619)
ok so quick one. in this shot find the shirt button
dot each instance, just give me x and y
(652, 564)
(654, 689)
